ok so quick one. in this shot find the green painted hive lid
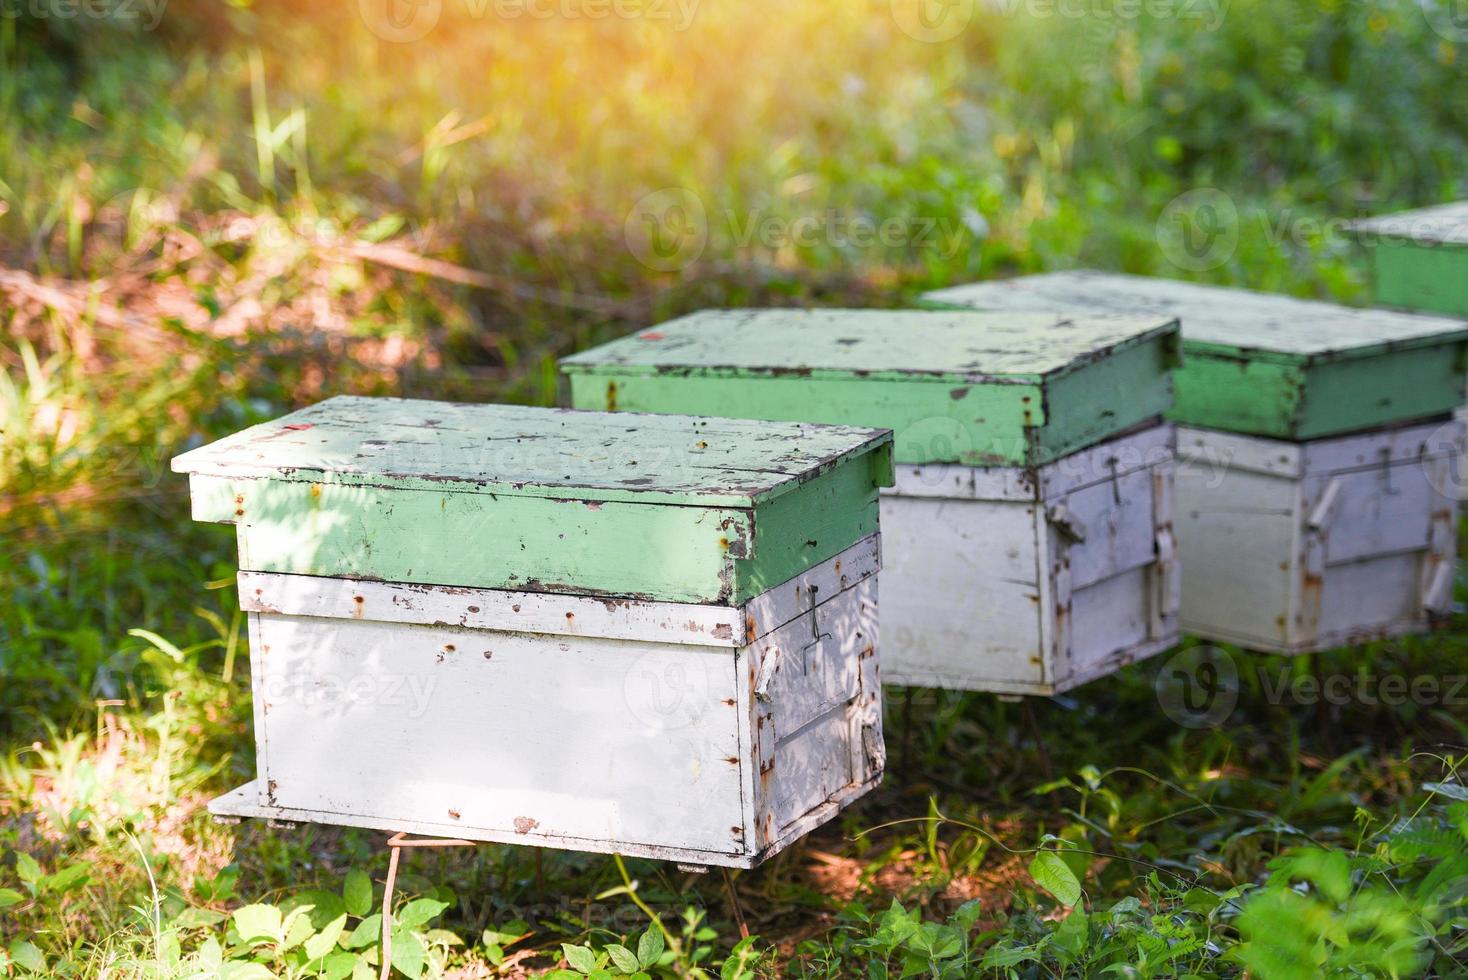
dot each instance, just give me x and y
(971, 388)
(501, 496)
(1445, 224)
(1264, 364)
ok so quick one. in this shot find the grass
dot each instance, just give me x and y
(256, 206)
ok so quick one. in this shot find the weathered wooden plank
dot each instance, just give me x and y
(479, 526)
(1265, 364)
(559, 615)
(955, 387)
(679, 554)
(247, 802)
(463, 722)
(512, 450)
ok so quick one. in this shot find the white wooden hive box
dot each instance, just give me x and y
(1295, 547)
(1020, 581)
(713, 730)
(1028, 539)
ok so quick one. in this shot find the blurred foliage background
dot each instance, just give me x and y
(212, 211)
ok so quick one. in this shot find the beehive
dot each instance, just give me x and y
(1028, 539)
(654, 636)
(1316, 495)
(1420, 258)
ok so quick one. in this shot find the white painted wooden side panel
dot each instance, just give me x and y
(812, 665)
(1369, 599)
(1102, 462)
(989, 586)
(1351, 539)
(960, 594)
(554, 742)
(1111, 621)
(821, 691)
(1208, 454)
(559, 614)
(525, 612)
(1238, 542)
(1117, 518)
(1376, 511)
(775, 607)
(812, 764)
(1106, 461)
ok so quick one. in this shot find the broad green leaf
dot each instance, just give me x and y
(9, 897)
(419, 912)
(1072, 936)
(409, 955)
(194, 917)
(1455, 791)
(66, 879)
(339, 965)
(326, 906)
(1001, 957)
(27, 956)
(30, 872)
(1052, 874)
(208, 957)
(581, 958)
(256, 922)
(624, 958)
(325, 941)
(357, 892)
(297, 927)
(650, 948)
(368, 931)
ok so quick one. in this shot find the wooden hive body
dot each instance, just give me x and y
(542, 500)
(1018, 581)
(1011, 434)
(1296, 547)
(955, 387)
(1262, 364)
(396, 691)
(1420, 258)
(1316, 488)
